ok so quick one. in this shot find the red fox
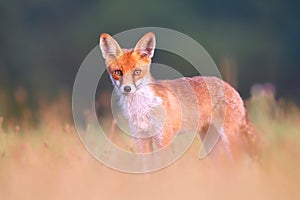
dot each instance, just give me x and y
(141, 96)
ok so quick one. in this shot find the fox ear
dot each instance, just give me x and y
(146, 45)
(109, 47)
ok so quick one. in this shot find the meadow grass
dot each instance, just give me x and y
(48, 161)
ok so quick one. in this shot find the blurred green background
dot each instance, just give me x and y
(43, 42)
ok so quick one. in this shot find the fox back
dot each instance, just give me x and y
(157, 110)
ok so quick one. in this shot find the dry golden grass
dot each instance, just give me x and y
(49, 162)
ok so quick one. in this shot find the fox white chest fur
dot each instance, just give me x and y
(138, 108)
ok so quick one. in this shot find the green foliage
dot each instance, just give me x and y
(44, 42)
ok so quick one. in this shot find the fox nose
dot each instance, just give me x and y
(127, 88)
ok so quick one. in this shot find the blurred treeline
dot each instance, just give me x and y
(43, 42)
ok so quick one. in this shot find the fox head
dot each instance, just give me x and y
(129, 69)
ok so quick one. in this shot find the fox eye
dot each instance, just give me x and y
(118, 72)
(137, 72)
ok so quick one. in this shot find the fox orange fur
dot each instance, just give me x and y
(184, 101)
